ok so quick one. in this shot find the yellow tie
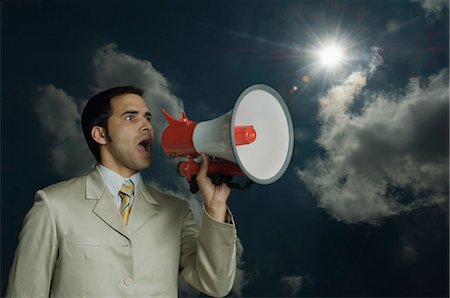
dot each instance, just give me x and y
(126, 192)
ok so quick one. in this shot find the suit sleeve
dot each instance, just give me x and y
(208, 257)
(34, 261)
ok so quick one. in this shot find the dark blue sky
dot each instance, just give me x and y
(363, 208)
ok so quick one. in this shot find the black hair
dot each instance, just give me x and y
(97, 112)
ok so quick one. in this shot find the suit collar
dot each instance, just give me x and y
(95, 186)
(144, 207)
(143, 190)
(114, 181)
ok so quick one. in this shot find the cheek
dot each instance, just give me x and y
(122, 139)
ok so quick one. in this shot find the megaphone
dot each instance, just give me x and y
(255, 140)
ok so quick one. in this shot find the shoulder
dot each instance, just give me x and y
(64, 185)
(70, 188)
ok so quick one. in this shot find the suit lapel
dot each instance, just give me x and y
(105, 208)
(143, 209)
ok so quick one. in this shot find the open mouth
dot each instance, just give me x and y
(144, 147)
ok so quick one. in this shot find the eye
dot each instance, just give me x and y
(149, 118)
(129, 117)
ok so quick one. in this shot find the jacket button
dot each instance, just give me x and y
(128, 281)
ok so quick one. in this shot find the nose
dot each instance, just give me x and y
(146, 125)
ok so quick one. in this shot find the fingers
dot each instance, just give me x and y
(225, 189)
(204, 166)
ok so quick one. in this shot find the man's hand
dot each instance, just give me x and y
(214, 196)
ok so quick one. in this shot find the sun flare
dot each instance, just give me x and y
(331, 56)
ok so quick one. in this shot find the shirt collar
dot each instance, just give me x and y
(114, 181)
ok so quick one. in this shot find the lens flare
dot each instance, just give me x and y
(331, 56)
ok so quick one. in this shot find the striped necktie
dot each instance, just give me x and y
(126, 193)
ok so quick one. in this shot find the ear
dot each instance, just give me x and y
(99, 135)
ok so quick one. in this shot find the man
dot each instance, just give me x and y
(107, 234)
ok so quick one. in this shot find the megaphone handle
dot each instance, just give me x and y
(219, 172)
(191, 168)
(193, 186)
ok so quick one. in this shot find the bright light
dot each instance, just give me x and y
(331, 56)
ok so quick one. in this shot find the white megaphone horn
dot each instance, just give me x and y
(255, 139)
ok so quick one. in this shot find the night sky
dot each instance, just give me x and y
(362, 209)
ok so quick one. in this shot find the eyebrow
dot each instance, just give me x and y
(133, 112)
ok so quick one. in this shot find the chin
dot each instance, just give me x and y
(145, 165)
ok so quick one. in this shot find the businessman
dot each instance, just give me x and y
(107, 234)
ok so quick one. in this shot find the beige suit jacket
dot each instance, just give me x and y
(74, 244)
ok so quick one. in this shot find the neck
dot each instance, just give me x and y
(121, 170)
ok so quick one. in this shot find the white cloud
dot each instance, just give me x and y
(59, 115)
(388, 158)
(394, 26)
(294, 284)
(433, 8)
(114, 68)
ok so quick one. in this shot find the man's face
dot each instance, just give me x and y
(128, 149)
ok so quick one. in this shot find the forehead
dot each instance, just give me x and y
(130, 101)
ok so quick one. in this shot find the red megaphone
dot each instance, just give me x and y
(254, 140)
(178, 141)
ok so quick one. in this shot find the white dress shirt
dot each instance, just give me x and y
(114, 182)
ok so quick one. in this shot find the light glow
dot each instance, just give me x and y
(331, 56)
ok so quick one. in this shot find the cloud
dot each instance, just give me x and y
(433, 8)
(59, 113)
(390, 157)
(294, 284)
(394, 26)
(59, 116)
(114, 68)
